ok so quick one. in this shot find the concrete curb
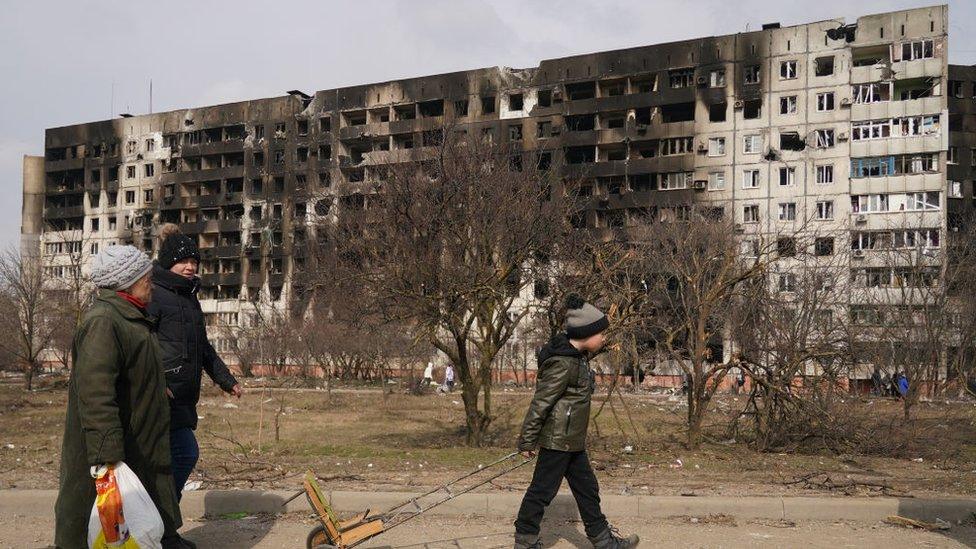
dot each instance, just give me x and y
(40, 503)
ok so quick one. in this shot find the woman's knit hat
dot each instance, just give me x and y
(175, 246)
(119, 267)
(582, 319)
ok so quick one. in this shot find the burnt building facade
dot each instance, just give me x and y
(849, 125)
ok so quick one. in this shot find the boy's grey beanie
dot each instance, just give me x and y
(119, 267)
(582, 319)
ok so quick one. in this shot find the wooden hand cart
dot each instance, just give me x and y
(343, 534)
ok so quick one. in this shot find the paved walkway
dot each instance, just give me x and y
(432, 532)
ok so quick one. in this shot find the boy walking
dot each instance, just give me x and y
(556, 425)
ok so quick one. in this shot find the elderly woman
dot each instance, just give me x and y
(187, 352)
(117, 409)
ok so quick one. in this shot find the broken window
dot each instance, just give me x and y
(786, 282)
(544, 98)
(461, 108)
(543, 128)
(325, 124)
(581, 90)
(302, 127)
(825, 138)
(871, 93)
(279, 157)
(752, 109)
(515, 132)
(787, 176)
(825, 210)
(787, 104)
(678, 112)
(281, 132)
(646, 84)
(258, 159)
(543, 161)
(825, 174)
(919, 49)
(824, 66)
(149, 170)
(279, 184)
(646, 149)
(750, 213)
(130, 172)
(488, 104)
(150, 145)
(681, 78)
(302, 154)
(717, 112)
(786, 246)
(790, 141)
(750, 179)
(787, 70)
(675, 180)
(612, 88)
(614, 120)
(148, 195)
(716, 78)
(581, 122)
(258, 132)
(432, 108)
(580, 155)
(825, 101)
(716, 146)
(516, 102)
(130, 197)
(750, 74)
(676, 145)
(752, 144)
(787, 211)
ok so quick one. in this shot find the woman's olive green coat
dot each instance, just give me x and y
(117, 411)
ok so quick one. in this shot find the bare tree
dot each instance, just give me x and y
(25, 285)
(913, 305)
(695, 276)
(449, 246)
(790, 325)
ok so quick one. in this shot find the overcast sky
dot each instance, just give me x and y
(58, 60)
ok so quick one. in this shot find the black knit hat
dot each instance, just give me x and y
(582, 319)
(175, 247)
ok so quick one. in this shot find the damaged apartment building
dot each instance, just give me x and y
(853, 125)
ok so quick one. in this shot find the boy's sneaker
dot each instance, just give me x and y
(527, 541)
(610, 539)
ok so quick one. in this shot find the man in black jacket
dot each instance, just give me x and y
(186, 351)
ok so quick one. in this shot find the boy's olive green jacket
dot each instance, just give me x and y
(559, 414)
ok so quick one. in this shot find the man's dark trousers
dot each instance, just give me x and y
(550, 469)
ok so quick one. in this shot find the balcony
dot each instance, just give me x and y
(892, 109)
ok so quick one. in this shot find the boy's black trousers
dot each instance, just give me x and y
(550, 469)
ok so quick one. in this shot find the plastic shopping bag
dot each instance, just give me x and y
(123, 515)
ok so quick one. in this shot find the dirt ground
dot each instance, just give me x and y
(365, 439)
(468, 533)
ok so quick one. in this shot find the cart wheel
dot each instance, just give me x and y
(318, 539)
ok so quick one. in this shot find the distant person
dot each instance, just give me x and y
(428, 375)
(885, 385)
(555, 425)
(902, 385)
(740, 381)
(117, 406)
(186, 351)
(893, 384)
(449, 378)
(876, 387)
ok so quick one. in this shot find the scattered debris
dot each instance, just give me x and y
(192, 485)
(898, 520)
